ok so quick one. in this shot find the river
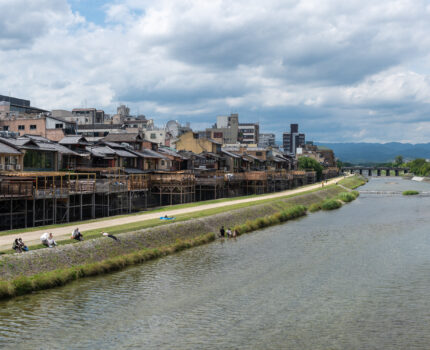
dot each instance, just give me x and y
(353, 278)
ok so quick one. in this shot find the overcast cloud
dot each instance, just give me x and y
(344, 70)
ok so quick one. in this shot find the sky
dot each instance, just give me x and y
(346, 71)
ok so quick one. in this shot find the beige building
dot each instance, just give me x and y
(191, 142)
(49, 127)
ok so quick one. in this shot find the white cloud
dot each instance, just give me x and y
(343, 63)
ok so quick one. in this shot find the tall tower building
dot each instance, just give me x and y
(293, 139)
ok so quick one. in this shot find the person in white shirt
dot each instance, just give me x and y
(229, 233)
(47, 240)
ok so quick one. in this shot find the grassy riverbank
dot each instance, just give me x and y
(151, 223)
(353, 182)
(47, 268)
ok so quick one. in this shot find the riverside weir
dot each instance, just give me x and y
(30, 199)
(328, 281)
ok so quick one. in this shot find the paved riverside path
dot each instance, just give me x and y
(64, 232)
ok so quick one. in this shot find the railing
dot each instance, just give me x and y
(16, 189)
(172, 178)
(138, 182)
(256, 176)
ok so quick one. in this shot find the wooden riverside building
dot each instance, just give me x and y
(29, 199)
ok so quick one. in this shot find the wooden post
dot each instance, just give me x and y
(11, 211)
(80, 213)
(34, 212)
(54, 210)
(44, 207)
(93, 208)
(25, 213)
(68, 209)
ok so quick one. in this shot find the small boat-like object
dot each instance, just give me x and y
(167, 218)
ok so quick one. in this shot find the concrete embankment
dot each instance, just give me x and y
(96, 251)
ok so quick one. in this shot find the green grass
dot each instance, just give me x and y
(410, 193)
(347, 197)
(353, 182)
(330, 204)
(314, 207)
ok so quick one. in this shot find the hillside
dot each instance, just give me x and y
(377, 152)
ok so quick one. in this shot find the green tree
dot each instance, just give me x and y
(306, 163)
(398, 160)
(419, 166)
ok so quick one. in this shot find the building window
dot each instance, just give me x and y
(58, 126)
(33, 127)
(258, 154)
(153, 136)
(217, 135)
(21, 127)
(6, 128)
(163, 162)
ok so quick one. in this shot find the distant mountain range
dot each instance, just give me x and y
(377, 152)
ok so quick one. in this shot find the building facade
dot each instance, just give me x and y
(49, 127)
(266, 140)
(293, 140)
(248, 133)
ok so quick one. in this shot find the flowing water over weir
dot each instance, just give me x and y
(354, 278)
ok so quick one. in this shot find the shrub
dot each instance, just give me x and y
(22, 285)
(6, 290)
(346, 197)
(410, 193)
(314, 207)
(330, 204)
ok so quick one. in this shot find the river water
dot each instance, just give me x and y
(353, 278)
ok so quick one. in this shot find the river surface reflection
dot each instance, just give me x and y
(354, 278)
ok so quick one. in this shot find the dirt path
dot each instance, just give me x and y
(61, 233)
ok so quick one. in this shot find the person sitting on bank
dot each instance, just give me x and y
(47, 240)
(110, 236)
(16, 246)
(222, 231)
(22, 245)
(77, 235)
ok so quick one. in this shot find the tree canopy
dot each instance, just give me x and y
(419, 166)
(305, 163)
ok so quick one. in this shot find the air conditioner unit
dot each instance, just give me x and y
(18, 167)
(9, 167)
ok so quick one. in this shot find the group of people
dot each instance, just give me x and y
(19, 246)
(48, 240)
(229, 233)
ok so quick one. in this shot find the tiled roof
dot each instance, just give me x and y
(123, 137)
(6, 149)
(72, 140)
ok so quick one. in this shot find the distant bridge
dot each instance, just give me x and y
(375, 171)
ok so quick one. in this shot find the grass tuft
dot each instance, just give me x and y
(330, 204)
(410, 193)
